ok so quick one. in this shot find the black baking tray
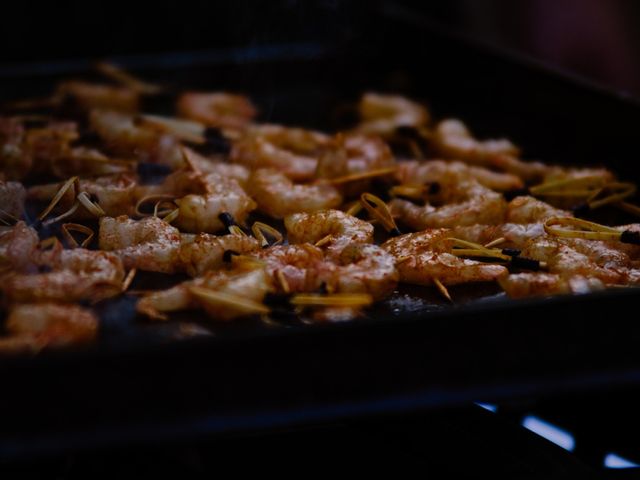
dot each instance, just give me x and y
(140, 384)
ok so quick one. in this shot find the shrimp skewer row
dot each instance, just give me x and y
(452, 139)
(564, 257)
(414, 172)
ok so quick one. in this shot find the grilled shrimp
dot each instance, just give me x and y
(566, 256)
(223, 294)
(527, 209)
(123, 136)
(201, 253)
(293, 268)
(203, 164)
(431, 171)
(149, 244)
(152, 244)
(384, 114)
(523, 221)
(340, 228)
(34, 150)
(580, 258)
(201, 198)
(18, 248)
(452, 139)
(90, 96)
(536, 284)
(12, 195)
(292, 151)
(356, 268)
(353, 154)
(277, 196)
(14, 161)
(75, 275)
(35, 326)
(115, 194)
(424, 256)
(463, 203)
(199, 213)
(219, 110)
(362, 268)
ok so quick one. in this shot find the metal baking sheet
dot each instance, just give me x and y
(143, 381)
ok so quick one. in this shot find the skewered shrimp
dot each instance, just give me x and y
(48, 150)
(277, 196)
(537, 284)
(384, 114)
(123, 136)
(36, 326)
(527, 209)
(452, 139)
(219, 110)
(199, 213)
(90, 96)
(12, 195)
(463, 203)
(293, 268)
(431, 171)
(592, 259)
(523, 221)
(224, 295)
(292, 151)
(352, 156)
(200, 163)
(18, 246)
(34, 150)
(75, 275)
(149, 244)
(357, 268)
(14, 162)
(363, 268)
(115, 194)
(577, 258)
(201, 198)
(423, 257)
(333, 227)
(201, 253)
(90, 162)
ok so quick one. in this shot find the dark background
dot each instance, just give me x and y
(598, 39)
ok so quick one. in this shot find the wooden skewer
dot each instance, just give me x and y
(442, 289)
